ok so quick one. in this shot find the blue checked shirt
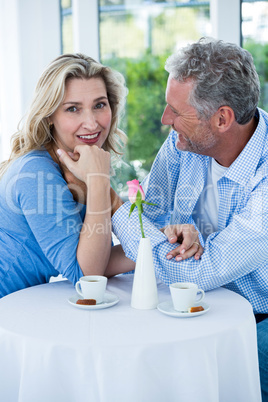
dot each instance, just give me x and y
(236, 256)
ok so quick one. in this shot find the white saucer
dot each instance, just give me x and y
(167, 308)
(109, 300)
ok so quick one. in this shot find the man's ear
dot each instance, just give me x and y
(224, 118)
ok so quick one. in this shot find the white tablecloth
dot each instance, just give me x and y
(51, 351)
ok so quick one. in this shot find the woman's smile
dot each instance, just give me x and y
(89, 138)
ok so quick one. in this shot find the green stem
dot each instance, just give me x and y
(140, 219)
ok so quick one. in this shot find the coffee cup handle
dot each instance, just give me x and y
(78, 288)
(201, 296)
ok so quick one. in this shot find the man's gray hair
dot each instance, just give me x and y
(222, 73)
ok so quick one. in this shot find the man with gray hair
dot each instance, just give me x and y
(212, 173)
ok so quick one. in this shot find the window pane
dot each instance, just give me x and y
(66, 26)
(136, 37)
(255, 40)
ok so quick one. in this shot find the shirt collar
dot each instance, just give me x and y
(245, 165)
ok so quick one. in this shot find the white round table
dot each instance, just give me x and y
(52, 351)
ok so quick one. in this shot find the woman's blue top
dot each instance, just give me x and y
(40, 224)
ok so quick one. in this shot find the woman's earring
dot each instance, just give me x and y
(50, 126)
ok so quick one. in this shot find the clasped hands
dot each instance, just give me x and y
(187, 236)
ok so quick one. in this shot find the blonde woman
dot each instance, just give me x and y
(47, 228)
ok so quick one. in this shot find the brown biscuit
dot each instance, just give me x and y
(195, 309)
(88, 302)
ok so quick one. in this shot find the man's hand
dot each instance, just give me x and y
(187, 235)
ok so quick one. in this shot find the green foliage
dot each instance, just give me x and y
(146, 81)
(137, 43)
(146, 101)
(260, 55)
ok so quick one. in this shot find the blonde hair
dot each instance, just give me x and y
(49, 94)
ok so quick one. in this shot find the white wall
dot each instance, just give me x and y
(86, 27)
(29, 40)
(225, 20)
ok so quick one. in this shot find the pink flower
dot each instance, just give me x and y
(136, 197)
(133, 188)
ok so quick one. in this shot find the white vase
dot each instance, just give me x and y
(144, 291)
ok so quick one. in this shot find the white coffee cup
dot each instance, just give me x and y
(92, 287)
(184, 295)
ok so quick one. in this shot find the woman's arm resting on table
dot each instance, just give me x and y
(118, 262)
